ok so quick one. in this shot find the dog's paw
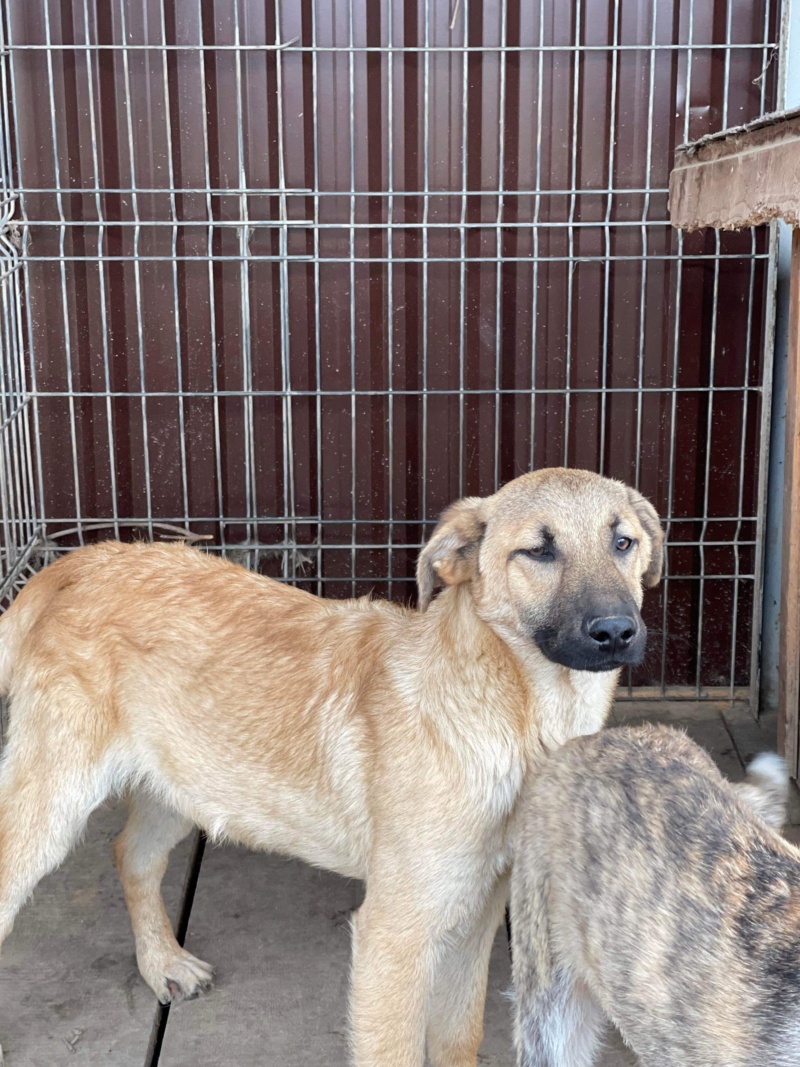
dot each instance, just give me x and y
(181, 976)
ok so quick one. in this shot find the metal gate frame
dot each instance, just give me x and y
(33, 530)
(20, 500)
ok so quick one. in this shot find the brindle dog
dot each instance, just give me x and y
(650, 891)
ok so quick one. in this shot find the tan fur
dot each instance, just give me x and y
(386, 744)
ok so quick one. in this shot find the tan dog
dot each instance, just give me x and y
(648, 890)
(385, 744)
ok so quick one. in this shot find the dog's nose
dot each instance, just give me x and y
(615, 632)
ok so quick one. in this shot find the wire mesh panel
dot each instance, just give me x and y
(18, 510)
(298, 274)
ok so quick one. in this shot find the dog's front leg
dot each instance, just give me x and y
(455, 1025)
(392, 952)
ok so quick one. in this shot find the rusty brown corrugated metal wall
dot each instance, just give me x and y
(297, 274)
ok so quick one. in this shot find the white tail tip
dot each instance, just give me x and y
(770, 766)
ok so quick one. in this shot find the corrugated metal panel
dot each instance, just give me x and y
(299, 274)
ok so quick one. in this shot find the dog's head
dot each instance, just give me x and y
(559, 557)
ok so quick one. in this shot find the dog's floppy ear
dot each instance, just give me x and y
(451, 555)
(648, 517)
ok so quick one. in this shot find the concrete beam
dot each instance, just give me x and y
(739, 178)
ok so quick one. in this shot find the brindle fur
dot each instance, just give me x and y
(647, 891)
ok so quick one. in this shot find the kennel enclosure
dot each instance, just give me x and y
(289, 277)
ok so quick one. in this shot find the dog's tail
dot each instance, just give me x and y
(9, 643)
(19, 621)
(532, 963)
(766, 789)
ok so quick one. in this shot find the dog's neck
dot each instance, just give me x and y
(577, 702)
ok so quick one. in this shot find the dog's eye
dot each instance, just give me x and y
(622, 544)
(537, 552)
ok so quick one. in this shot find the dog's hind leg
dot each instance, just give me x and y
(51, 779)
(142, 851)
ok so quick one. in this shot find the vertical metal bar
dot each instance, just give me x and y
(12, 541)
(33, 456)
(390, 290)
(726, 76)
(212, 308)
(607, 268)
(768, 358)
(675, 364)
(14, 501)
(643, 287)
(15, 469)
(462, 246)
(671, 470)
(137, 233)
(426, 134)
(501, 146)
(742, 465)
(175, 301)
(62, 253)
(11, 511)
(352, 104)
(765, 60)
(576, 84)
(101, 275)
(317, 324)
(689, 63)
(32, 503)
(13, 508)
(14, 434)
(289, 510)
(764, 495)
(707, 467)
(645, 218)
(10, 544)
(536, 250)
(766, 412)
(244, 297)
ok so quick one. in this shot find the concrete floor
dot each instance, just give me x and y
(275, 930)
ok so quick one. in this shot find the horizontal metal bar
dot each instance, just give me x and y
(666, 390)
(367, 546)
(498, 49)
(295, 224)
(349, 548)
(308, 520)
(256, 190)
(683, 693)
(255, 258)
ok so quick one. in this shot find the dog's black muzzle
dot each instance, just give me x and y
(602, 638)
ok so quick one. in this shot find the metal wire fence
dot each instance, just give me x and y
(294, 275)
